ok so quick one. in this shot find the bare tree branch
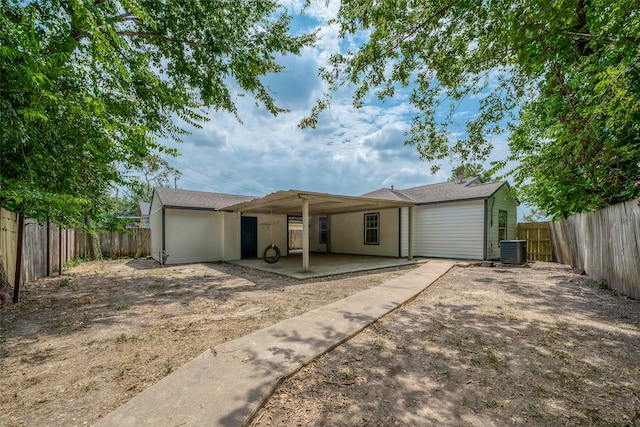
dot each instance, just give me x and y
(588, 36)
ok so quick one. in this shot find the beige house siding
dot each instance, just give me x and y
(207, 236)
(231, 236)
(314, 233)
(404, 232)
(347, 234)
(155, 221)
(449, 230)
(501, 200)
(193, 235)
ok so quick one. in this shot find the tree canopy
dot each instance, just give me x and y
(154, 172)
(562, 76)
(87, 89)
(468, 170)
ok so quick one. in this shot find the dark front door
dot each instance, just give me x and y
(249, 237)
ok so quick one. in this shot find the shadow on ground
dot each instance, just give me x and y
(480, 347)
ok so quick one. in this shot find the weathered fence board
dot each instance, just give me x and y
(116, 245)
(538, 237)
(8, 242)
(35, 249)
(47, 247)
(605, 244)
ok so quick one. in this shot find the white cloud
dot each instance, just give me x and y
(352, 151)
(323, 10)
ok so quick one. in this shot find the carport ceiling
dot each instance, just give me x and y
(290, 203)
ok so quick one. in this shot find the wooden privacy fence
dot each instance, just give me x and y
(538, 237)
(605, 244)
(117, 245)
(46, 246)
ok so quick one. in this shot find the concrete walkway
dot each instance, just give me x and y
(226, 385)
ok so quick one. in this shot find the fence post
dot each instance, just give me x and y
(48, 255)
(59, 251)
(18, 272)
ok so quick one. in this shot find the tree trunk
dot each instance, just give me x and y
(90, 238)
(18, 276)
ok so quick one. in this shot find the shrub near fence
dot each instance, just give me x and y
(538, 239)
(605, 244)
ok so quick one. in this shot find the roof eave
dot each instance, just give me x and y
(190, 208)
(508, 189)
(471, 199)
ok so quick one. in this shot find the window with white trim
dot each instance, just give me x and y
(502, 226)
(372, 228)
(323, 229)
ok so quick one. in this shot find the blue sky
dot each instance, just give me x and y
(352, 151)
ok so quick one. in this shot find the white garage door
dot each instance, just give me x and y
(451, 230)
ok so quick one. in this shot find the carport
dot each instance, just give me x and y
(306, 203)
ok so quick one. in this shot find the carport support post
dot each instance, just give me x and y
(305, 234)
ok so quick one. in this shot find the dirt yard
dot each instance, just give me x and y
(80, 345)
(482, 346)
(498, 346)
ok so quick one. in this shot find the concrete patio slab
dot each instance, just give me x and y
(321, 264)
(227, 385)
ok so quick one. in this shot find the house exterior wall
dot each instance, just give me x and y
(231, 236)
(272, 229)
(346, 233)
(155, 221)
(314, 233)
(404, 231)
(447, 230)
(208, 236)
(501, 200)
(193, 235)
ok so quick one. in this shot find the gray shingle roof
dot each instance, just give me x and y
(388, 194)
(145, 208)
(176, 198)
(466, 189)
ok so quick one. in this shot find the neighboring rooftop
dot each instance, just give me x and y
(177, 198)
(464, 189)
(145, 208)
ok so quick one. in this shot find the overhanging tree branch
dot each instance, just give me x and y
(589, 36)
(156, 36)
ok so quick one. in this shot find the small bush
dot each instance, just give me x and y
(168, 367)
(75, 261)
